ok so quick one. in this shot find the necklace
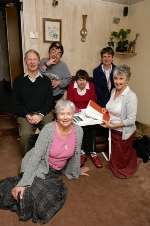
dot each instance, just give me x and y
(64, 136)
(64, 133)
(64, 142)
(65, 146)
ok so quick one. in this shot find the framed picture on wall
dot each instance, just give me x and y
(51, 30)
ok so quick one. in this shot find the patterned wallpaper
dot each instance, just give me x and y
(126, 2)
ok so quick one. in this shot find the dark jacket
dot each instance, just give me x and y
(101, 87)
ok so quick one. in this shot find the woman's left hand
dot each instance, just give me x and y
(106, 124)
(84, 171)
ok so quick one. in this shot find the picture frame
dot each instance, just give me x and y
(51, 30)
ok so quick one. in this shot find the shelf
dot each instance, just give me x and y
(125, 54)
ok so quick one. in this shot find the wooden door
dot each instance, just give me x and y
(14, 41)
(4, 63)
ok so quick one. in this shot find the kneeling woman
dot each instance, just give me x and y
(122, 107)
(40, 190)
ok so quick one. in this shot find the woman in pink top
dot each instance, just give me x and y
(39, 192)
(80, 92)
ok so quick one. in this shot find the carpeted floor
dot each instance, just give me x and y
(97, 200)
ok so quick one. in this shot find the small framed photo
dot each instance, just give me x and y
(51, 30)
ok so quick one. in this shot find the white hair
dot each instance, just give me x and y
(122, 70)
(62, 104)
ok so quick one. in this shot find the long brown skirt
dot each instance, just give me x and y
(123, 160)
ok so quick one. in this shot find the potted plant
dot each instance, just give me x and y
(119, 40)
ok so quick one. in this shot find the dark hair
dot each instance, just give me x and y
(108, 50)
(81, 74)
(57, 45)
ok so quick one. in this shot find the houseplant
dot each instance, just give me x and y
(119, 40)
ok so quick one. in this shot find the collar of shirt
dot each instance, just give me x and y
(79, 91)
(35, 77)
(125, 91)
(107, 74)
(108, 70)
(76, 85)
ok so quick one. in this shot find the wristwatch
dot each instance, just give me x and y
(39, 113)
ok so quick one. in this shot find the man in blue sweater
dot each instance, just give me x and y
(33, 98)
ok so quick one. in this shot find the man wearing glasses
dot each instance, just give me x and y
(54, 68)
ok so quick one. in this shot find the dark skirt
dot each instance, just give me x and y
(41, 201)
(123, 160)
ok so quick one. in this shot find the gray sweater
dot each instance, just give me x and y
(128, 113)
(58, 71)
(35, 162)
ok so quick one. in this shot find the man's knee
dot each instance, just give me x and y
(48, 118)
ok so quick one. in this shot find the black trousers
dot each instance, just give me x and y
(89, 139)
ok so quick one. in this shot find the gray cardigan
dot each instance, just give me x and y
(128, 113)
(35, 162)
(60, 71)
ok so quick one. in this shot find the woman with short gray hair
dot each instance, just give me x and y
(122, 70)
(62, 104)
(122, 108)
(40, 189)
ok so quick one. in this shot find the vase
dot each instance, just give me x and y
(83, 31)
